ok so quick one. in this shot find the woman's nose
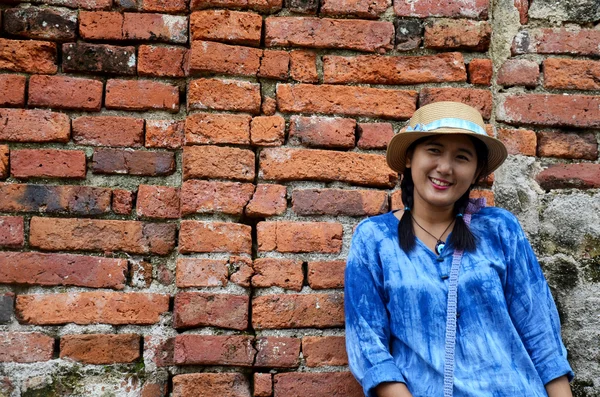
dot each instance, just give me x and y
(444, 165)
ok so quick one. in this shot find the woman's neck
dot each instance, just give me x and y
(432, 215)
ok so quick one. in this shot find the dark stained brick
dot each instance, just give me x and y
(101, 58)
(120, 161)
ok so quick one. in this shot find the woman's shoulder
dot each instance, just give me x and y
(376, 224)
(496, 217)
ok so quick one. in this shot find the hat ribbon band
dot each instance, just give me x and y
(448, 122)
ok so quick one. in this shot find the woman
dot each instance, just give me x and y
(446, 297)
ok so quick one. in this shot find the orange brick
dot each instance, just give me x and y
(267, 131)
(460, 34)
(326, 132)
(211, 57)
(200, 309)
(284, 273)
(25, 347)
(218, 162)
(158, 202)
(214, 350)
(326, 274)
(122, 201)
(567, 145)
(209, 197)
(11, 231)
(48, 163)
(277, 352)
(324, 350)
(234, 95)
(570, 176)
(167, 134)
(196, 272)
(338, 202)
(274, 65)
(268, 6)
(374, 135)
(268, 200)
(263, 385)
(4, 157)
(28, 56)
(210, 129)
(170, 61)
(195, 236)
(479, 99)
(298, 384)
(171, 6)
(571, 74)
(519, 141)
(488, 195)
(359, 8)
(141, 95)
(477, 9)
(480, 71)
(62, 92)
(298, 311)
(101, 25)
(324, 237)
(12, 90)
(100, 349)
(108, 131)
(218, 384)
(227, 26)
(557, 41)
(269, 106)
(155, 27)
(519, 72)
(303, 66)
(20, 125)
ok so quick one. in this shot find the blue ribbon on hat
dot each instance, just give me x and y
(448, 122)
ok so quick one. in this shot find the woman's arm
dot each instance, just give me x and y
(393, 389)
(559, 387)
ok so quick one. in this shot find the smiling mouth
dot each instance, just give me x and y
(439, 182)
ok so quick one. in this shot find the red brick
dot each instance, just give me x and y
(155, 27)
(338, 202)
(488, 195)
(268, 200)
(284, 273)
(158, 202)
(28, 56)
(274, 65)
(571, 74)
(303, 66)
(12, 90)
(298, 311)
(140, 273)
(347, 100)
(154, 389)
(267, 131)
(22, 347)
(85, 4)
(167, 134)
(20, 125)
(324, 237)
(100, 25)
(108, 131)
(523, 7)
(359, 8)
(62, 92)
(58, 234)
(327, 132)
(460, 34)
(566, 176)
(4, 158)
(34, 268)
(331, 384)
(285, 164)
(263, 385)
(373, 69)
(218, 162)
(476, 9)
(170, 61)
(268, 106)
(91, 307)
(214, 350)
(170, 6)
(479, 99)
(241, 270)
(11, 231)
(138, 95)
(207, 384)
(199, 309)
(519, 141)
(48, 163)
(550, 110)
(159, 350)
(196, 272)
(124, 161)
(211, 57)
(519, 72)
(567, 145)
(326, 274)
(370, 36)
(210, 128)
(227, 26)
(557, 41)
(6, 386)
(234, 95)
(480, 71)
(209, 197)
(32, 23)
(100, 349)
(277, 352)
(195, 236)
(319, 351)
(374, 135)
(122, 201)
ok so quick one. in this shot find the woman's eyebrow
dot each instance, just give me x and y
(465, 150)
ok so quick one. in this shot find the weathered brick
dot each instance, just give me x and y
(567, 176)
(122, 201)
(214, 350)
(519, 141)
(277, 352)
(567, 145)
(267, 131)
(62, 92)
(518, 72)
(7, 303)
(209, 197)
(550, 110)
(359, 8)
(200, 309)
(302, 6)
(34, 268)
(24, 347)
(458, 34)
(268, 106)
(211, 57)
(319, 351)
(57, 234)
(160, 61)
(285, 164)
(263, 385)
(158, 202)
(306, 384)
(11, 231)
(91, 307)
(48, 23)
(218, 162)
(100, 348)
(479, 99)
(154, 388)
(372, 69)
(298, 311)
(108, 131)
(123, 161)
(155, 27)
(274, 65)
(28, 56)
(476, 9)
(571, 74)
(370, 36)
(85, 4)
(268, 200)
(98, 58)
(101, 25)
(523, 7)
(303, 66)
(170, 6)
(12, 90)
(197, 236)
(339, 202)
(409, 34)
(281, 236)
(488, 195)
(326, 132)
(159, 350)
(141, 95)
(480, 71)
(167, 134)
(374, 135)
(284, 273)
(196, 272)
(227, 26)
(20, 125)
(326, 274)
(235, 95)
(557, 41)
(47, 163)
(4, 160)
(347, 100)
(241, 270)
(210, 128)
(207, 384)
(140, 273)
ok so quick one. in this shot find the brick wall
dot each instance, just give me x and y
(179, 180)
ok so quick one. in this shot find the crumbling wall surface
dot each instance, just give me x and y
(179, 180)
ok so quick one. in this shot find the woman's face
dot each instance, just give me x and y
(442, 167)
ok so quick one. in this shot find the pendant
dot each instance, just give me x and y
(439, 247)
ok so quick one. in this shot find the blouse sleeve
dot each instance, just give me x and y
(532, 308)
(367, 320)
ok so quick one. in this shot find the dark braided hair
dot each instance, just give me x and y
(461, 237)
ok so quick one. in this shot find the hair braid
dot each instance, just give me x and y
(406, 233)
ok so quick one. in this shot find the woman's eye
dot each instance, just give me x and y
(463, 158)
(433, 150)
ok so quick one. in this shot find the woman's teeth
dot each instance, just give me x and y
(439, 183)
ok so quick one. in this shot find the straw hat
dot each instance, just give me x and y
(444, 118)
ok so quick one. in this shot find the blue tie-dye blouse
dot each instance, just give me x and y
(508, 339)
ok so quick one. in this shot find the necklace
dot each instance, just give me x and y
(439, 245)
